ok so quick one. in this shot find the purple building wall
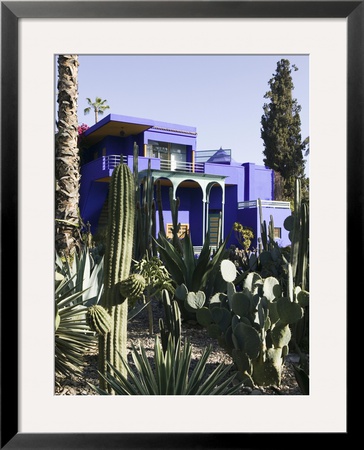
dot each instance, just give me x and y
(114, 137)
(249, 218)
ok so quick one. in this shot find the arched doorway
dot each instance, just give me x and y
(197, 189)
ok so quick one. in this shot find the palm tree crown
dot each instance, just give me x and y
(98, 106)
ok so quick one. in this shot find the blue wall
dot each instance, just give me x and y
(258, 183)
(97, 195)
(250, 218)
(243, 182)
(112, 145)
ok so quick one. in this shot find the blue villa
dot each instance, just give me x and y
(214, 190)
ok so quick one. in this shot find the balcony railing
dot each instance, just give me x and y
(264, 203)
(111, 161)
(182, 166)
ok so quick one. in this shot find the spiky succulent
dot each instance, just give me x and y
(133, 286)
(155, 273)
(118, 258)
(98, 319)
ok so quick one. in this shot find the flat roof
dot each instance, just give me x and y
(117, 125)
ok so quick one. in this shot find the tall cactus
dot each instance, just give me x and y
(176, 226)
(298, 226)
(162, 229)
(145, 232)
(118, 258)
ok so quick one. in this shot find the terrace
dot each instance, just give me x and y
(105, 165)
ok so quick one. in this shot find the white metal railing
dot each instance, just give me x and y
(111, 161)
(182, 166)
(264, 203)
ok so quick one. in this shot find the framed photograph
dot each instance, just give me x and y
(331, 34)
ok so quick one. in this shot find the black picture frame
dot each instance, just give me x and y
(10, 13)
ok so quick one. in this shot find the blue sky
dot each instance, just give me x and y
(221, 95)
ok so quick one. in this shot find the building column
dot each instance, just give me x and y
(203, 220)
(222, 237)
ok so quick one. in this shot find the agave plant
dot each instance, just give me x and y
(82, 274)
(191, 273)
(171, 372)
(78, 285)
(186, 268)
(73, 336)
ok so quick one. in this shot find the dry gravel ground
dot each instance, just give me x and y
(138, 332)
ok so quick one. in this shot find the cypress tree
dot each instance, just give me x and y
(281, 132)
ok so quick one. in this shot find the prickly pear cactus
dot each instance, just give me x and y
(252, 325)
(118, 258)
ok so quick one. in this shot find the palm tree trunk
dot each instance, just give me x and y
(67, 160)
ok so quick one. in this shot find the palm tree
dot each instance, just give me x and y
(98, 106)
(67, 160)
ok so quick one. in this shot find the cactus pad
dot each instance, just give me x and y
(228, 270)
(241, 304)
(195, 300)
(181, 292)
(289, 312)
(302, 297)
(204, 316)
(289, 223)
(281, 335)
(271, 289)
(222, 317)
(247, 339)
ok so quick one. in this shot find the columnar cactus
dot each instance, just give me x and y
(298, 226)
(176, 226)
(145, 218)
(118, 258)
(170, 327)
(162, 229)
